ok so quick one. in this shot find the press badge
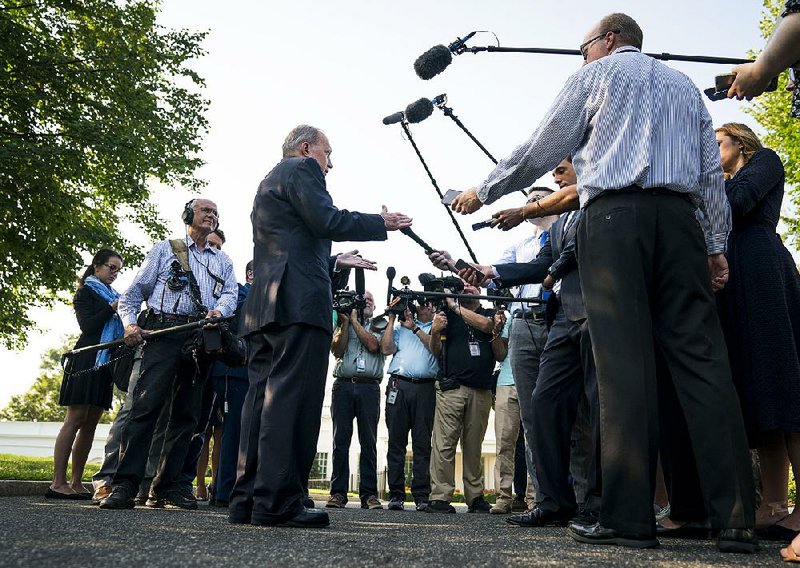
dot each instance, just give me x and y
(218, 284)
(391, 398)
(474, 349)
(361, 364)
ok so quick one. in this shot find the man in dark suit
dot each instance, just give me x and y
(287, 319)
(566, 372)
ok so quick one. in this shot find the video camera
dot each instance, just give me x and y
(345, 301)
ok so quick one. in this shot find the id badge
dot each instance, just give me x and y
(392, 398)
(218, 289)
(361, 364)
(474, 349)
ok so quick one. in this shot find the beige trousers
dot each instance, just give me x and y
(460, 413)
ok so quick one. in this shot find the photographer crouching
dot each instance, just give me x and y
(467, 339)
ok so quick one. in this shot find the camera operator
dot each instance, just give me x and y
(174, 296)
(356, 395)
(410, 402)
(467, 338)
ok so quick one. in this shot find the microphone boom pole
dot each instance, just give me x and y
(661, 56)
(438, 191)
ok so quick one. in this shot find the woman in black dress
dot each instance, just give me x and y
(87, 388)
(760, 313)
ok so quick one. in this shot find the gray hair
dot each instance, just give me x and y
(299, 135)
(624, 26)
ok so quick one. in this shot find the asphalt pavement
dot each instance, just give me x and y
(38, 532)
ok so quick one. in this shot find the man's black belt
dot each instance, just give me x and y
(410, 380)
(533, 316)
(359, 380)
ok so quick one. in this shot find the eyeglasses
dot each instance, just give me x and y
(583, 48)
(209, 211)
(113, 269)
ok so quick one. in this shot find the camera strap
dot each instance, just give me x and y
(181, 252)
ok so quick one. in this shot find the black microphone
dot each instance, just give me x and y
(390, 274)
(394, 118)
(437, 58)
(484, 224)
(419, 110)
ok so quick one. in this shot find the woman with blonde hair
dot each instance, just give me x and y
(760, 313)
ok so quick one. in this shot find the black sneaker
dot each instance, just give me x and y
(437, 506)
(308, 502)
(422, 505)
(479, 505)
(396, 504)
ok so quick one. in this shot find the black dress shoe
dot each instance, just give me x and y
(737, 540)
(308, 502)
(538, 517)
(121, 498)
(308, 518)
(173, 498)
(598, 534)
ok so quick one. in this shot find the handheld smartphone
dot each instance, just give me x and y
(461, 265)
(450, 196)
(724, 81)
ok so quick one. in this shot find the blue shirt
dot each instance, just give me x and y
(506, 377)
(412, 359)
(150, 283)
(627, 119)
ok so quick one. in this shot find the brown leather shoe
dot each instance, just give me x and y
(371, 502)
(101, 493)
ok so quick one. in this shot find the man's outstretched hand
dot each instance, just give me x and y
(467, 202)
(394, 221)
(353, 260)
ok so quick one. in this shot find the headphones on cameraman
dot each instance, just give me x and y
(188, 212)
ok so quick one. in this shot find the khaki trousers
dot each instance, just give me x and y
(506, 430)
(460, 413)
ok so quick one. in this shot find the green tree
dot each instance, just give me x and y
(771, 110)
(40, 402)
(98, 106)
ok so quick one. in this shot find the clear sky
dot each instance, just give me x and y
(343, 65)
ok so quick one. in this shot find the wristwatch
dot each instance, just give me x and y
(415, 330)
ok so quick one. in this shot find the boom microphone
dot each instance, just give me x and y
(394, 118)
(437, 58)
(419, 110)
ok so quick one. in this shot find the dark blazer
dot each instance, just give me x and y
(294, 222)
(557, 257)
(92, 313)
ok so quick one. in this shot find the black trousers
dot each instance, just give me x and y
(566, 372)
(644, 273)
(360, 402)
(280, 421)
(413, 412)
(165, 378)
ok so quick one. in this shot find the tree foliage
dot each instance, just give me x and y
(40, 402)
(771, 110)
(98, 105)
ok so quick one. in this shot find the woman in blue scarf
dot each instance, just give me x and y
(87, 388)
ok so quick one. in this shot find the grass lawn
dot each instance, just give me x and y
(35, 469)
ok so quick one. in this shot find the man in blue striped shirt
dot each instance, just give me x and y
(647, 162)
(165, 375)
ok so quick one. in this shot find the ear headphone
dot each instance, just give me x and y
(188, 212)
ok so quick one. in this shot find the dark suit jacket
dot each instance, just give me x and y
(294, 222)
(557, 257)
